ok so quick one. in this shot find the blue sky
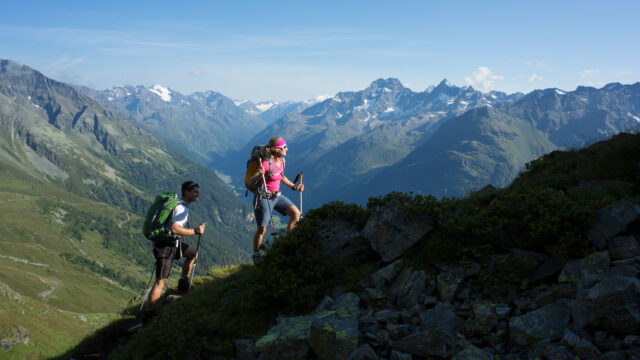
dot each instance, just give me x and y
(295, 50)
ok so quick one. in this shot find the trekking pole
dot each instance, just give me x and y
(193, 269)
(146, 293)
(301, 173)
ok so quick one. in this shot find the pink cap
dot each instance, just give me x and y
(280, 143)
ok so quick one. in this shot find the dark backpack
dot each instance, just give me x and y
(156, 222)
(252, 167)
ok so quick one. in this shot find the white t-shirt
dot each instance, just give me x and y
(180, 214)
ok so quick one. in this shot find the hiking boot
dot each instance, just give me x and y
(257, 258)
(183, 285)
(146, 316)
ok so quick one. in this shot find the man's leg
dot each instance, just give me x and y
(187, 266)
(156, 292)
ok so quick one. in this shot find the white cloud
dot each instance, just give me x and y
(589, 73)
(483, 79)
(535, 78)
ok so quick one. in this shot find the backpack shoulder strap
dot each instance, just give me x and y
(270, 166)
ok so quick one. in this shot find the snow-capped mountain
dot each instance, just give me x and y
(203, 124)
(270, 111)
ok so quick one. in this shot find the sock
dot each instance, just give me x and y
(257, 252)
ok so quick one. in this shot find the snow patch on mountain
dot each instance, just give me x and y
(444, 97)
(317, 99)
(162, 92)
(265, 106)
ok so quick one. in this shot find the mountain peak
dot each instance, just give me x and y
(389, 83)
(444, 84)
(162, 91)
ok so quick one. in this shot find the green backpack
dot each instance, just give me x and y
(158, 216)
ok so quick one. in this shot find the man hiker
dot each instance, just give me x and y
(273, 153)
(166, 251)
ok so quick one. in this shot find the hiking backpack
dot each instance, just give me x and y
(158, 217)
(252, 167)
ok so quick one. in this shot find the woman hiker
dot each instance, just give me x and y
(272, 154)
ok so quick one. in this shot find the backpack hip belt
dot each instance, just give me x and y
(266, 194)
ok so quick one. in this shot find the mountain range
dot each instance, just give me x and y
(445, 140)
(204, 125)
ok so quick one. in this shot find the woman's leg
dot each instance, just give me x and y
(257, 238)
(294, 217)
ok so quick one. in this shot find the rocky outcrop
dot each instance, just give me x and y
(390, 232)
(587, 308)
(19, 335)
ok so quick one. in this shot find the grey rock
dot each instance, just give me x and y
(409, 289)
(448, 283)
(549, 270)
(607, 342)
(334, 334)
(390, 232)
(623, 247)
(554, 293)
(374, 294)
(399, 331)
(428, 300)
(630, 340)
(624, 270)
(582, 347)
(5, 290)
(387, 315)
(484, 319)
(611, 220)
(427, 343)
(341, 240)
(546, 350)
(441, 317)
(613, 304)
(287, 340)
(246, 349)
(384, 276)
(473, 353)
(325, 304)
(6, 345)
(546, 323)
(364, 352)
(19, 335)
(613, 355)
(348, 302)
(587, 271)
(81, 318)
(397, 355)
(503, 310)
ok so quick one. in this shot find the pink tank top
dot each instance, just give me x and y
(273, 182)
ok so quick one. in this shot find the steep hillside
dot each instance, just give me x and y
(64, 138)
(67, 265)
(545, 268)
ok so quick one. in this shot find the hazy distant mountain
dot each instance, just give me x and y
(270, 111)
(491, 144)
(353, 133)
(60, 136)
(202, 125)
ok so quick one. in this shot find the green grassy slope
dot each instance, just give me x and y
(55, 253)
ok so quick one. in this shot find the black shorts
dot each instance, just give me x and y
(166, 253)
